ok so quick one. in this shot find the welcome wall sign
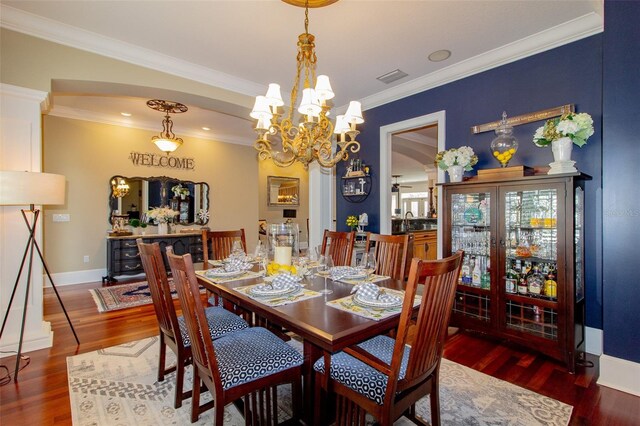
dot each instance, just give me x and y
(155, 160)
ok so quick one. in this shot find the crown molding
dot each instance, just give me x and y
(29, 94)
(57, 32)
(94, 117)
(576, 29)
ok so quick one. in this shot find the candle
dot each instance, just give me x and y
(282, 255)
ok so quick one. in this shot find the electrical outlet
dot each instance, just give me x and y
(61, 217)
(86, 259)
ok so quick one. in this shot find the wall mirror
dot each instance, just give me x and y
(133, 196)
(283, 191)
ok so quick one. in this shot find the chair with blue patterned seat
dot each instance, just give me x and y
(248, 364)
(173, 332)
(383, 376)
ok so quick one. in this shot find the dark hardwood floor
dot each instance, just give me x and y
(41, 397)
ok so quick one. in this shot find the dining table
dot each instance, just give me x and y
(326, 323)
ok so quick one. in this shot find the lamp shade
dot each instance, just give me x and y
(26, 188)
(167, 145)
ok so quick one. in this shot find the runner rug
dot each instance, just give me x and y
(118, 386)
(124, 296)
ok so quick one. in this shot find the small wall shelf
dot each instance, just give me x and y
(355, 189)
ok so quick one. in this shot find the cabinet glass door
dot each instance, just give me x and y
(530, 242)
(470, 231)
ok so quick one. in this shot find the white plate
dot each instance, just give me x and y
(375, 304)
(264, 290)
(221, 273)
(355, 276)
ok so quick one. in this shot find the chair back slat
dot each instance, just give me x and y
(390, 252)
(339, 246)
(154, 268)
(186, 284)
(217, 245)
(440, 278)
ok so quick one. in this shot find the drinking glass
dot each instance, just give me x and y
(236, 248)
(369, 264)
(326, 263)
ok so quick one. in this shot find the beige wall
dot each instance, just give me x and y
(89, 154)
(274, 214)
(34, 63)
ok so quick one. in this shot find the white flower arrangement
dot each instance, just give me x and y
(463, 156)
(161, 215)
(179, 190)
(577, 127)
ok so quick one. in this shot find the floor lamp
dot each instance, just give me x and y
(30, 188)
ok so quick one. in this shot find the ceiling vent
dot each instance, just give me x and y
(392, 76)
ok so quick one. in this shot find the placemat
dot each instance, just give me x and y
(374, 279)
(246, 276)
(280, 300)
(377, 314)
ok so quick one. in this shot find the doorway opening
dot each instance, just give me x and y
(408, 175)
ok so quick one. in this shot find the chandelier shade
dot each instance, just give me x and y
(167, 140)
(306, 138)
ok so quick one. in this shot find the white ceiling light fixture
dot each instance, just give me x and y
(310, 139)
(167, 140)
(440, 55)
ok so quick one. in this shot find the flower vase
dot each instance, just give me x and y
(562, 163)
(163, 228)
(455, 173)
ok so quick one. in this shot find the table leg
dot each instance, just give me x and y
(311, 354)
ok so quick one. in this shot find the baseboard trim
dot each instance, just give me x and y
(593, 340)
(31, 341)
(619, 374)
(75, 277)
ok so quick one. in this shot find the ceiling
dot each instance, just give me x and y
(243, 45)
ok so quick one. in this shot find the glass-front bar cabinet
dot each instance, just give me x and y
(522, 277)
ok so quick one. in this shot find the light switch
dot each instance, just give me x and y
(61, 217)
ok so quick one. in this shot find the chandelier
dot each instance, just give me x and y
(286, 142)
(167, 140)
(119, 187)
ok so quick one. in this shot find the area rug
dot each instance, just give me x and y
(118, 386)
(124, 296)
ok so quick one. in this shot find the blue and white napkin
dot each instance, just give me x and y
(285, 281)
(232, 264)
(369, 292)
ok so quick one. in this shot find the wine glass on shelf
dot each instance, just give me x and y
(324, 268)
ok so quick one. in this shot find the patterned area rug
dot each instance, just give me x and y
(124, 296)
(117, 386)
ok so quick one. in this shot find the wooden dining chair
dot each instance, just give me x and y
(247, 364)
(339, 245)
(390, 252)
(173, 332)
(216, 245)
(383, 376)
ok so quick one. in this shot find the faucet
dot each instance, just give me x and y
(406, 219)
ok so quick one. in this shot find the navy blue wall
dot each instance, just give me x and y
(571, 74)
(621, 158)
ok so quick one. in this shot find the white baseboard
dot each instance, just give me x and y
(75, 277)
(620, 374)
(32, 341)
(593, 340)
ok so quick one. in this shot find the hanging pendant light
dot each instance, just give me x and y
(311, 139)
(167, 140)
